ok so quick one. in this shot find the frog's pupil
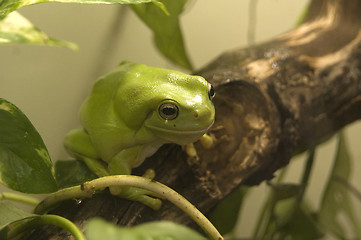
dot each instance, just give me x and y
(168, 111)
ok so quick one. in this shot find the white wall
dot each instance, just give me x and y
(49, 83)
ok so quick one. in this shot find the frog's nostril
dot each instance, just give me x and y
(196, 115)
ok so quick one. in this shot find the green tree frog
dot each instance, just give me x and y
(134, 110)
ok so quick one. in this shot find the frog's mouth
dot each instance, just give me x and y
(179, 136)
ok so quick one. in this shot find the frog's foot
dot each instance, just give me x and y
(191, 151)
(137, 194)
(207, 141)
(149, 173)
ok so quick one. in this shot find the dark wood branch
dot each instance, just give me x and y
(273, 99)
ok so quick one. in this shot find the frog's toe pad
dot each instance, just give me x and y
(115, 191)
(207, 141)
(149, 173)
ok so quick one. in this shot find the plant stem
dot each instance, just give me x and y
(306, 174)
(264, 217)
(19, 198)
(352, 189)
(88, 188)
(33, 222)
(252, 22)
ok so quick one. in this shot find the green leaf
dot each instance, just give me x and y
(8, 6)
(284, 198)
(166, 29)
(225, 215)
(72, 172)
(14, 222)
(10, 214)
(273, 216)
(25, 163)
(15, 29)
(98, 229)
(282, 191)
(286, 218)
(294, 221)
(336, 199)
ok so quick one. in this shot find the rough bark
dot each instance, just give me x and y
(273, 99)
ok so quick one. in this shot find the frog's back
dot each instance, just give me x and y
(99, 119)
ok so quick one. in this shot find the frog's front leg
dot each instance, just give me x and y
(122, 164)
(78, 144)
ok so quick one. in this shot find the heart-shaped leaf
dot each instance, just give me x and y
(25, 163)
(16, 29)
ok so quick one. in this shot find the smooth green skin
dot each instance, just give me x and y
(122, 124)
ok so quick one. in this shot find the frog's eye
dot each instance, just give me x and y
(168, 111)
(211, 92)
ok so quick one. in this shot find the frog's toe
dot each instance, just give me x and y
(137, 194)
(190, 150)
(207, 141)
(149, 173)
(115, 191)
(154, 203)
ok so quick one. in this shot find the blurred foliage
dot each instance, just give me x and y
(286, 214)
(72, 172)
(225, 215)
(160, 16)
(166, 29)
(98, 229)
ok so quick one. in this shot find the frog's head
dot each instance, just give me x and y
(185, 112)
(172, 106)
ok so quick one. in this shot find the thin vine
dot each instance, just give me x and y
(87, 189)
